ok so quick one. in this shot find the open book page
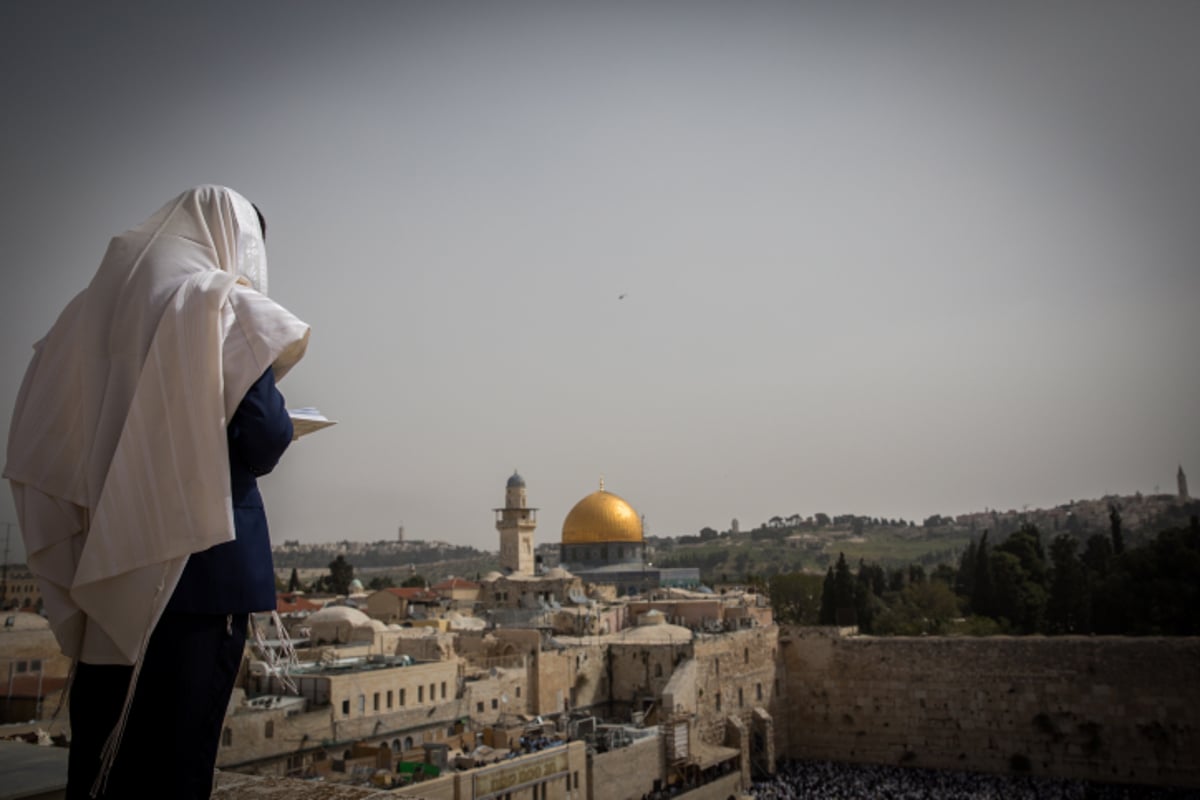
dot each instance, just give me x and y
(306, 420)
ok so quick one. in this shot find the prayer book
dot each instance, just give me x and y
(306, 420)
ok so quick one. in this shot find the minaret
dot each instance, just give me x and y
(1181, 479)
(516, 522)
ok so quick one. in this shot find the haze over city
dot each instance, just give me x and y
(740, 259)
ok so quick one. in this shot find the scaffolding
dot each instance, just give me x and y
(675, 730)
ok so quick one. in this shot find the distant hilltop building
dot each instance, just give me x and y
(1181, 479)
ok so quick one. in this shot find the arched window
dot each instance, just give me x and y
(408, 743)
(658, 670)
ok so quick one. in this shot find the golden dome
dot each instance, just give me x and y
(602, 517)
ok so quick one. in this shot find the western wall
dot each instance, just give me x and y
(1108, 709)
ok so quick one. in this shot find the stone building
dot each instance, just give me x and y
(20, 589)
(515, 523)
(396, 604)
(33, 671)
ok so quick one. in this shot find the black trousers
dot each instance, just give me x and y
(169, 747)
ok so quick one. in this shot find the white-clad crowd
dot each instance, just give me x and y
(823, 780)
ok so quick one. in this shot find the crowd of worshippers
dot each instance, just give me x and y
(834, 781)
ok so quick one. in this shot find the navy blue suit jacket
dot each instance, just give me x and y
(239, 576)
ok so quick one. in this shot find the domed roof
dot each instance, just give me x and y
(515, 481)
(338, 614)
(602, 517)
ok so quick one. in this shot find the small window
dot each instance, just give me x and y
(362, 704)
(740, 701)
(389, 698)
(375, 705)
(518, 691)
(269, 729)
(479, 706)
(746, 654)
(420, 694)
(443, 690)
(345, 708)
(758, 689)
(432, 692)
(227, 737)
(495, 704)
(718, 701)
(402, 693)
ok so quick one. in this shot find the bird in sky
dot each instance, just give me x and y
(621, 296)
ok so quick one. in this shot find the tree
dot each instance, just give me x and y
(922, 608)
(1097, 555)
(413, 581)
(869, 586)
(822, 519)
(983, 598)
(1114, 524)
(294, 581)
(944, 573)
(1018, 597)
(341, 573)
(828, 612)
(381, 582)
(964, 582)
(796, 597)
(843, 593)
(1068, 609)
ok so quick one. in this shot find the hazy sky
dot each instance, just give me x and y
(895, 259)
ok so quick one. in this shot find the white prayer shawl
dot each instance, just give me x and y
(117, 452)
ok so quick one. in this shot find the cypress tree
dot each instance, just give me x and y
(843, 592)
(983, 600)
(827, 615)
